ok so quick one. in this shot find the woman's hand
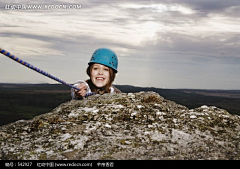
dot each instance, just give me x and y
(83, 90)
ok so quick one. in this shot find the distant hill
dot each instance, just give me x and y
(25, 101)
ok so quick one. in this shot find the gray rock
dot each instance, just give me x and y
(139, 126)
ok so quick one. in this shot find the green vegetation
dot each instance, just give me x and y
(27, 101)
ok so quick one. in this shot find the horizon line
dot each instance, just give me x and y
(1, 83)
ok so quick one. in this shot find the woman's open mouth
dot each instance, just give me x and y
(100, 78)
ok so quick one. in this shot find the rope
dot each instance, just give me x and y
(6, 53)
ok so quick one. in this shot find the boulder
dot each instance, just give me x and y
(124, 126)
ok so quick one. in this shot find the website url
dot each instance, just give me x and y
(41, 6)
(63, 164)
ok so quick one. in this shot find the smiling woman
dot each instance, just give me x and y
(102, 70)
(99, 75)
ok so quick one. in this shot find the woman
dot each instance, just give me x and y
(102, 70)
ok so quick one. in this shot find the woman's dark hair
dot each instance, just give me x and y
(104, 89)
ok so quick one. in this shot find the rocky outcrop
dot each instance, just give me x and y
(139, 126)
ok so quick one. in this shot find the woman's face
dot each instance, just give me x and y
(100, 75)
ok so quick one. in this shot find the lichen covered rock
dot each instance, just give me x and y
(139, 126)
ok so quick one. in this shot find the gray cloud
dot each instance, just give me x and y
(173, 40)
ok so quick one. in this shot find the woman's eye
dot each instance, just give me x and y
(106, 69)
(95, 68)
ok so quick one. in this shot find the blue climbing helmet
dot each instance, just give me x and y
(105, 57)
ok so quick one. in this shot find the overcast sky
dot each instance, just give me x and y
(164, 44)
